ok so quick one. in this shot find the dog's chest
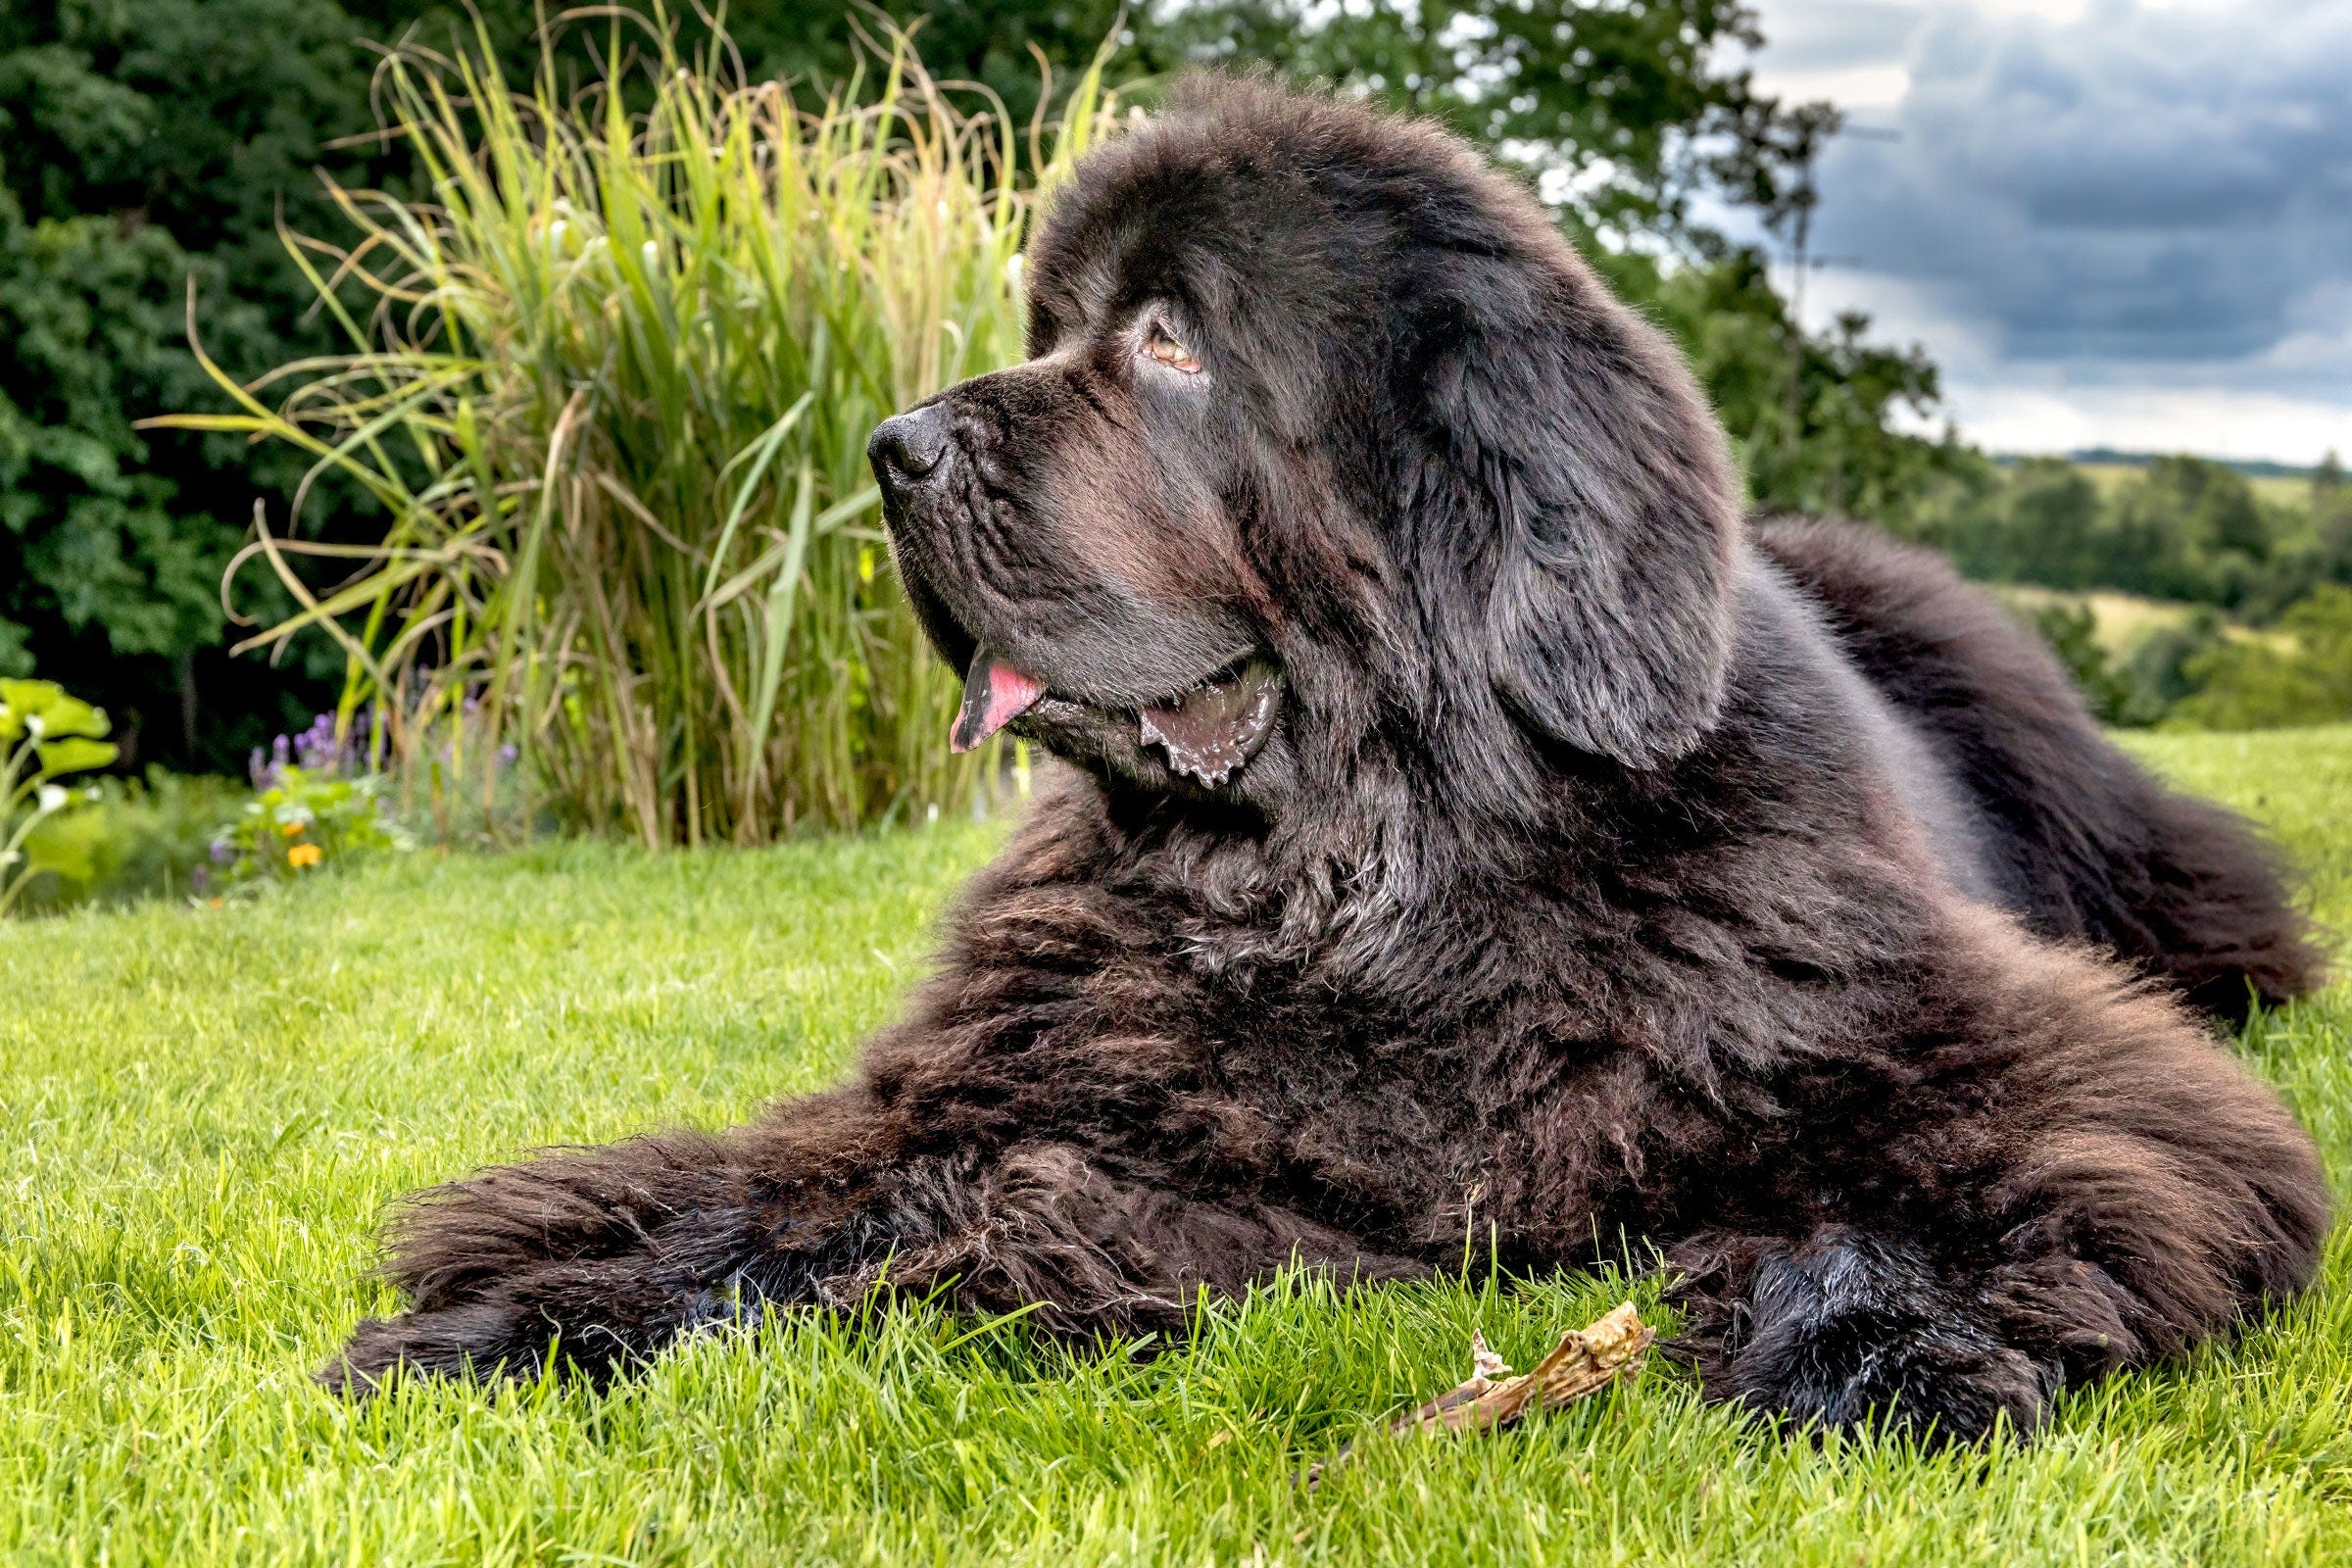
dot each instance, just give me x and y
(1351, 1085)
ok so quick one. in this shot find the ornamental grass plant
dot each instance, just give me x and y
(613, 367)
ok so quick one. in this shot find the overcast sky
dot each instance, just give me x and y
(2122, 223)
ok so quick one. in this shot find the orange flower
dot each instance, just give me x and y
(292, 828)
(302, 855)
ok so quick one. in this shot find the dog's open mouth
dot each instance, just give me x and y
(1207, 731)
(1212, 729)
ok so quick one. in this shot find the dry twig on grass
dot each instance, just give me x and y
(1585, 1361)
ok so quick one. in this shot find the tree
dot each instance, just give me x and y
(2330, 521)
(148, 143)
(2053, 526)
(1812, 417)
(2188, 529)
(2162, 669)
(1624, 111)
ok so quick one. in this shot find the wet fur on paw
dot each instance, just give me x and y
(1848, 1328)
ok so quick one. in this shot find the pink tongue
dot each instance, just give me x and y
(994, 693)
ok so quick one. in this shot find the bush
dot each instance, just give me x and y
(2159, 669)
(2073, 632)
(2301, 674)
(134, 838)
(614, 395)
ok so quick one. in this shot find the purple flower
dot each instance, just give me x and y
(315, 747)
(507, 754)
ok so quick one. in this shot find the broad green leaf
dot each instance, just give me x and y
(23, 696)
(74, 753)
(66, 844)
(71, 715)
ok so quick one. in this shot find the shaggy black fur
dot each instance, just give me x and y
(1607, 868)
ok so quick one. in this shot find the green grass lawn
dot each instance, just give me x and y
(204, 1111)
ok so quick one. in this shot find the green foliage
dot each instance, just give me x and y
(2143, 663)
(132, 839)
(302, 823)
(2071, 631)
(2190, 531)
(2301, 674)
(1623, 110)
(45, 735)
(145, 144)
(217, 1107)
(142, 143)
(2144, 682)
(86, 318)
(995, 44)
(2167, 665)
(1815, 420)
(2052, 527)
(2184, 528)
(165, 835)
(2317, 551)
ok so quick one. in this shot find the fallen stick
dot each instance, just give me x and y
(1585, 1361)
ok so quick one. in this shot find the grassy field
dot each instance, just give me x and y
(205, 1111)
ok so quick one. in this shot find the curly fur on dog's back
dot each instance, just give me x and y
(1574, 862)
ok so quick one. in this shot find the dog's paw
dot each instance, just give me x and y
(1851, 1330)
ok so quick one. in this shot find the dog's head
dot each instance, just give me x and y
(1328, 442)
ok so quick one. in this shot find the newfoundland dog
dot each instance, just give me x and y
(1474, 827)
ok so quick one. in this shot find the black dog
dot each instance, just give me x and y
(1472, 825)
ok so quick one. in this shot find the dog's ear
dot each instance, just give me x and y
(1592, 518)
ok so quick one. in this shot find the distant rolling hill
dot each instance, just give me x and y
(2251, 468)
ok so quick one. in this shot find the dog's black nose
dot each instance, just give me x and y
(907, 446)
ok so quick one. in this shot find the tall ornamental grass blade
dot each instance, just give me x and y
(611, 379)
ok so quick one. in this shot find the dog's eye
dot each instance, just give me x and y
(1164, 347)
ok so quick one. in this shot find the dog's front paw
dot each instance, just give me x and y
(1852, 1328)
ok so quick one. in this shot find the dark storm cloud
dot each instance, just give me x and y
(2135, 184)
